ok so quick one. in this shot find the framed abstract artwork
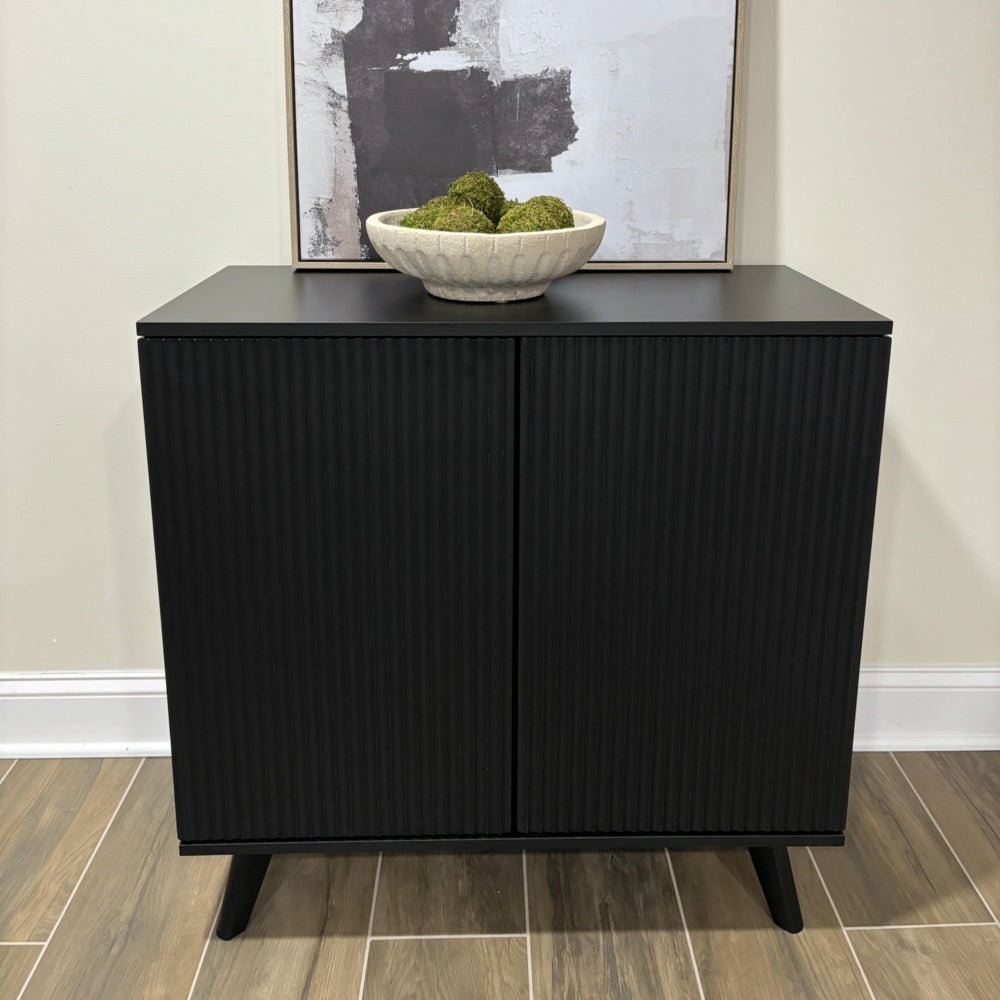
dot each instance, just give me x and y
(627, 110)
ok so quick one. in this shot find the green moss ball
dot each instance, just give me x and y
(463, 219)
(528, 219)
(480, 191)
(419, 218)
(536, 215)
(425, 216)
(508, 204)
(557, 207)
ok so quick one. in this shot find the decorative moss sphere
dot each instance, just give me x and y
(528, 218)
(463, 219)
(425, 216)
(475, 204)
(480, 191)
(557, 207)
(419, 218)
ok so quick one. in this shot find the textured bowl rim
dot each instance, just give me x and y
(592, 221)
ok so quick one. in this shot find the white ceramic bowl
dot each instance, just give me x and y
(485, 267)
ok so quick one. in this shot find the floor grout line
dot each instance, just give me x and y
(3, 777)
(527, 924)
(937, 827)
(204, 950)
(22, 944)
(918, 927)
(684, 923)
(441, 937)
(371, 923)
(843, 929)
(83, 875)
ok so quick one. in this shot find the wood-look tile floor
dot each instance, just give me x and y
(96, 904)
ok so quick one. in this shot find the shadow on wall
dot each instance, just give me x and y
(134, 568)
(927, 595)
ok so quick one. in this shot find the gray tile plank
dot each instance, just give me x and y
(741, 954)
(895, 868)
(474, 893)
(931, 963)
(52, 814)
(451, 969)
(606, 925)
(15, 964)
(962, 791)
(306, 938)
(139, 920)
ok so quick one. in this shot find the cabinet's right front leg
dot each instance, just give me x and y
(774, 871)
(246, 873)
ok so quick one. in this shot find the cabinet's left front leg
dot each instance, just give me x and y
(246, 873)
(774, 872)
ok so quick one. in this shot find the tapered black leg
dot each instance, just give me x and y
(246, 873)
(774, 871)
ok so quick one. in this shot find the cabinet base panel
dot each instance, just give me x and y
(515, 842)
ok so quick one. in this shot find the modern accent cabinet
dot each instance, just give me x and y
(584, 571)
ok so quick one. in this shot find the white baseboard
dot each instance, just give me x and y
(124, 714)
(94, 714)
(928, 708)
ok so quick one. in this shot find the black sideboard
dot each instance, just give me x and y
(584, 571)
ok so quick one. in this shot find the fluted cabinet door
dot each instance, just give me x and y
(694, 538)
(334, 542)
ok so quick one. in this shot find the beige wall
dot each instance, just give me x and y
(872, 163)
(142, 148)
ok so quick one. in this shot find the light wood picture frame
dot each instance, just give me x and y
(631, 112)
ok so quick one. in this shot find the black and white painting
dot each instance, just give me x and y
(623, 109)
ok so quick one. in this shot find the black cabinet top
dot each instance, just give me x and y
(277, 301)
